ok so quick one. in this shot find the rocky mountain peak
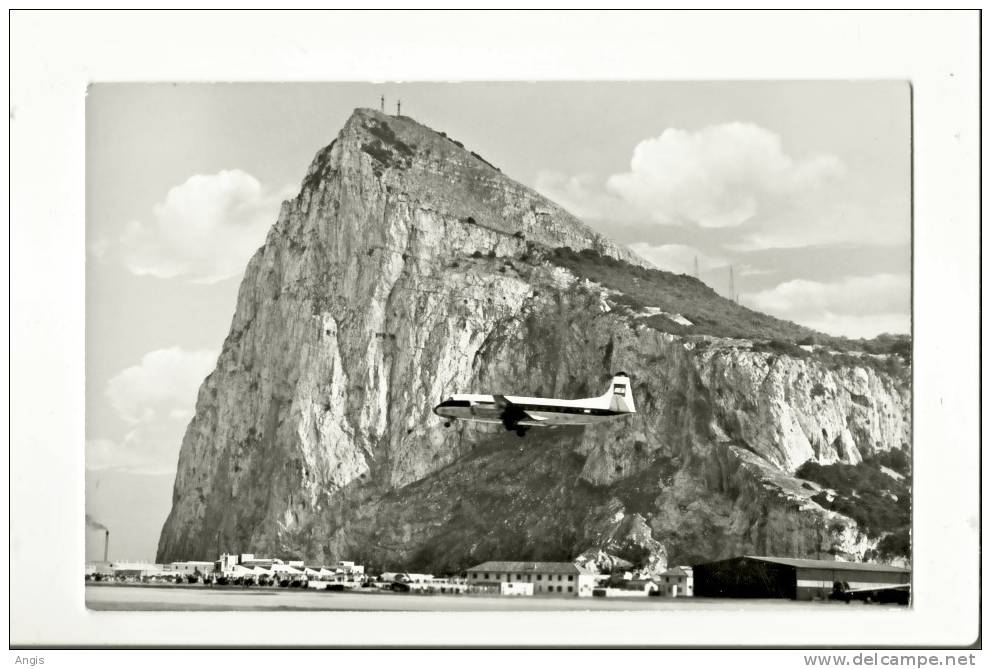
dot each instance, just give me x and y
(409, 268)
(438, 174)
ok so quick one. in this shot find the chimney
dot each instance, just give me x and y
(106, 545)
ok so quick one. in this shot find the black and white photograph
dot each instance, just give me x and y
(536, 349)
(473, 358)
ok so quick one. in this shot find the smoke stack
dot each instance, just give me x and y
(106, 545)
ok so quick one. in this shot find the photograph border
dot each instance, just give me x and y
(59, 53)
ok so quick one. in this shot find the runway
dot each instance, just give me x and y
(234, 598)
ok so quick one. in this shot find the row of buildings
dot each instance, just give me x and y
(746, 576)
(742, 577)
(567, 579)
(242, 566)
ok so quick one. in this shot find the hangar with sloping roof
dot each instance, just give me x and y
(793, 578)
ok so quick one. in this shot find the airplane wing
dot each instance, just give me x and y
(509, 413)
(878, 588)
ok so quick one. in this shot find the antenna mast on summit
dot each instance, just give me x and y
(696, 267)
(382, 104)
(732, 289)
(399, 106)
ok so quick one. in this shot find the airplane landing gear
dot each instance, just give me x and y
(447, 423)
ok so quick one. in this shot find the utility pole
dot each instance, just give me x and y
(382, 104)
(399, 106)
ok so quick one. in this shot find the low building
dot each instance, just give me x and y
(559, 578)
(638, 585)
(264, 563)
(676, 582)
(135, 570)
(348, 567)
(285, 572)
(101, 569)
(226, 563)
(515, 588)
(792, 578)
(189, 567)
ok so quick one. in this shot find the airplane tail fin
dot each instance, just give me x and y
(620, 394)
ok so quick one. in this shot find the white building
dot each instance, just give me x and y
(515, 588)
(348, 567)
(135, 569)
(677, 582)
(546, 578)
(188, 567)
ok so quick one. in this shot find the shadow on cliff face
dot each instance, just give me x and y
(512, 499)
(509, 499)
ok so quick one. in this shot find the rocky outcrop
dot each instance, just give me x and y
(407, 269)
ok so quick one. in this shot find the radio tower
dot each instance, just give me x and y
(382, 104)
(696, 267)
(732, 288)
(399, 106)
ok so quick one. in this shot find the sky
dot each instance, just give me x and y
(803, 188)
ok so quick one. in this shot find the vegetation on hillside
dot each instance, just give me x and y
(386, 147)
(713, 314)
(709, 312)
(880, 503)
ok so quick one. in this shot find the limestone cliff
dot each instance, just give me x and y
(407, 269)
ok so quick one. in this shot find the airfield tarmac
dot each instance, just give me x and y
(144, 598)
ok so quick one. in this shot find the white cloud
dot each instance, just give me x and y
(738, 178)
(861, 327)
(677, 258)
(716, 177)
(137, 453)
(98, 248)
(163, 385)
(156, 399)
(205, 230)
(583, 196)
(854, 306)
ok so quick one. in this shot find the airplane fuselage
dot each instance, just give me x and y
(519, 413)
(540, 411)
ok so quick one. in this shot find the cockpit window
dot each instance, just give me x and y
(455, 403)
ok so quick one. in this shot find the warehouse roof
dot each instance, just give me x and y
(830, 564)
(524, 567)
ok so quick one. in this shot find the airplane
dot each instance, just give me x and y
(521, 413)
(893, 593)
